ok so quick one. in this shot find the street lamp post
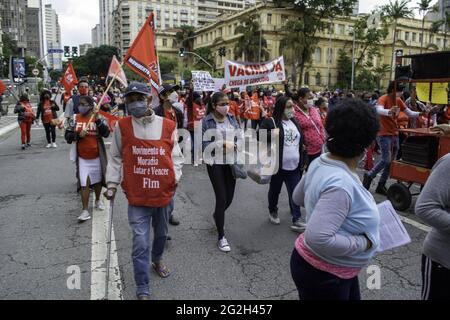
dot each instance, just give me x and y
(201, 58)
(353, 59)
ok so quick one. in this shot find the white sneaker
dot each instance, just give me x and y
(49, 146)
(298, 226)
(54, 145)
(223, 245)
(85, 216)
(274, 219)
(99, 205)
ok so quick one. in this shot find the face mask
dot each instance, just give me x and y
(223, 110)
(83, 91)
(84, 109)
(310, 103)
(173, 98)
(289, 113)
(137, 109)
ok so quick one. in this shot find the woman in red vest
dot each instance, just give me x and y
(86, 130)
(47, 111)
(26, 117)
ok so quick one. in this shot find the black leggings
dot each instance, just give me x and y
(49, 129)
(314, 284)
(223, 184)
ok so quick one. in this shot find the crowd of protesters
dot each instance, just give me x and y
(322, 138)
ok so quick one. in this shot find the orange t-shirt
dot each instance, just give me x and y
(234, 108)
(171, 115)
(87, 147)
(389, 125)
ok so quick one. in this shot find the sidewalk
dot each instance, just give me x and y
(9, 122)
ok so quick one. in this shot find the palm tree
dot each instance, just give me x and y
(395, 11)
(247, 46)
(437, 26)
(185, 37)
(424, 6)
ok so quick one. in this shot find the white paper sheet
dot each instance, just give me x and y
(392, 231)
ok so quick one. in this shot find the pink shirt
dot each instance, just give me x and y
(312, 129)
(316, 262)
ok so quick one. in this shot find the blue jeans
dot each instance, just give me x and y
(291, 179)
(389, 148)
(140, 219)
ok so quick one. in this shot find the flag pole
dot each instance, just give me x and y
(97, 107)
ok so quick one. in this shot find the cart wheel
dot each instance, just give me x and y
(400, 196)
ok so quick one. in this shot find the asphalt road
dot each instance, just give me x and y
(41, 239)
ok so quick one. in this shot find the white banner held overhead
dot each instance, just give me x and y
(243, 74)
(202, 81)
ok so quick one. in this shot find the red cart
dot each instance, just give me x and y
(408, 174)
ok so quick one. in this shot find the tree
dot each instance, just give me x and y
(424, 6)
(9, 49)
(167, 65)
(438, 25)
(380, 73)
(185, 38)
(205, 53)
(248, 44)
(365, 81)
(96, 62)
(55, 75)
(344, 66)
(395, 11)
(30, 62)
(292, 44)
(314, 16)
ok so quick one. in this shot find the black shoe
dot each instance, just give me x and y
(367, 181)
(173, 221)
(28, 145)
(169, 238)
(381, 189)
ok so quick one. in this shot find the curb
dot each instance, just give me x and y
(8, 128)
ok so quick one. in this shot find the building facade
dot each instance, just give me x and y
(13, 14)
(53, 37)
(323, 70)
(84, 48)
(96, 36)
(106, 13)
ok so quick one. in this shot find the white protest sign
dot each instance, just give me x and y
(392, 231)
(243, 74)
(202, 81)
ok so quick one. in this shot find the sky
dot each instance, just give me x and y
(78, 17)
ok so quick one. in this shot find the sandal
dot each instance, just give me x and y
(162, 270)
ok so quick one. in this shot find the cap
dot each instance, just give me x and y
(168, 87)
(137, 87)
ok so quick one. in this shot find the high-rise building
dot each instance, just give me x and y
(84, 48)
(35, 29)
(53, 37)
(356, 8)
(96, 36)
(13, 14)
(106, 12)
(129, 16)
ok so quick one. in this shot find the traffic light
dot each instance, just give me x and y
(181, 53)
(222, 51)
(74, 52)
(67, 52)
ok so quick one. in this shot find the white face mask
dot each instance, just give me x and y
(223, 110)
(310, 103)
(173, 98)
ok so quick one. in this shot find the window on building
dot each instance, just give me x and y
(438, 42)
(406, 36)
(420, 37)
(269, 18)
(164, 42)
(306, 79)
(330, 55)
(431, 38)
(230, 30)
(318, 55)
(318, 79)
(341, 29)
(414, 37)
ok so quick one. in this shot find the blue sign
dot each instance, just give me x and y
(50, 51)
(18, 68)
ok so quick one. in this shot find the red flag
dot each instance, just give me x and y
(142, 57)
(112, 120)
(2, 87)
(69, 79)
(115, 70)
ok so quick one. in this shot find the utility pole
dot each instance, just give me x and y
(353, 59)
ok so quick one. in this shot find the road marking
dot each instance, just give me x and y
(98, 258)
(8, 128)
(415, 224)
